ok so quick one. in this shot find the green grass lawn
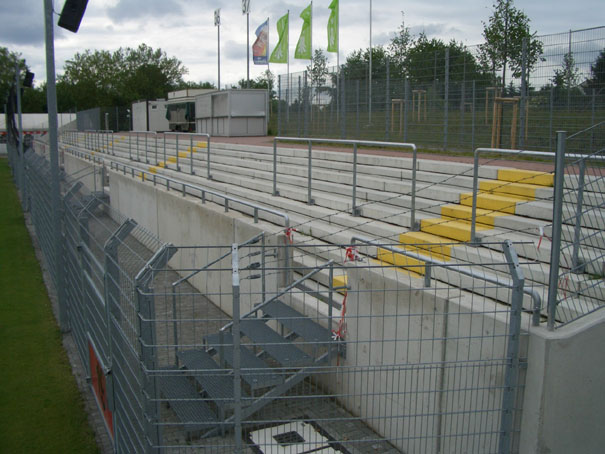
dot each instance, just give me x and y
(41, 409)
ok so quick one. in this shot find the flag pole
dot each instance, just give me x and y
(248, 48)
(370, 75)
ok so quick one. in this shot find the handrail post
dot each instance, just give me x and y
(557, 216)
(275, 192)
(130, 146)
(178, 168)
(310, 200)
(208, 155)
(475, 188)
(146, 148)
(156, 149)
(138, 153)
(165, 163)
(413, 224)
(354, 210)
(191, 154)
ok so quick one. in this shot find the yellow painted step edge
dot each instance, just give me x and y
(526, 176)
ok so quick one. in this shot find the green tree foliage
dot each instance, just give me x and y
(265, 81)
(597, 72)
(8, 61)
(196, 85)
(318, 69)
(401, 44)
(102, 78)
(503, 46)
(358, 63)
(425, 62)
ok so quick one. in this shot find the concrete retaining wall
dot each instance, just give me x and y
(85, 171)
(186, 221)
(430, 359)
(564, 405)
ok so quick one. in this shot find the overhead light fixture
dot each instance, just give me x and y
(72, 13)
(28, 80)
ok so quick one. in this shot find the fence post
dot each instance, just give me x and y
(473, 117)
(512, 350)
(553, 281)
(552, 104)
(279, 105)
(354, 209)
(237, 378)
(147, 338)
(357, 108)
(306, 96)
(387, 102)
(299, 119)
(446, 97)
(343, 108)
(523, 95)
(310, 200)
(576, 265)
(406, 102)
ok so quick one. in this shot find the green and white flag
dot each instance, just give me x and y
(333, 27)
(303, 48)
(280, 53)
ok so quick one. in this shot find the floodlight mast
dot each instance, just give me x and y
(55, 196)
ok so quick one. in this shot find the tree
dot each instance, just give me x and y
(597, 72)
(102, 78)
(401, 44)
(425, 62)
(196, 85)
(318, 69)
(358, 62)
(8, 61)
(566, 77)
(504, 35)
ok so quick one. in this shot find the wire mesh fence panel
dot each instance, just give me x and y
(454, 97)
(580, 289)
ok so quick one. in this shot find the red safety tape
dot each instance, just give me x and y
(341, 331)
(290, 234)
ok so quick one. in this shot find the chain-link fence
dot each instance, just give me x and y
(450, 98)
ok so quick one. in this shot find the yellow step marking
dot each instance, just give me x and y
(400, 260)
(339, 283)
(456, 230)
(526, 176)
(202, 145)
(183, 154)
(494, 202)
(172, 159)
(465, 213)
(504, 187)
(431, 245)
(153, 169)
(161, 164)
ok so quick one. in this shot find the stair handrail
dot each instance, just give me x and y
(465, 270)
(355, 143)
(539, 154)
(282, 293)
(190, 135)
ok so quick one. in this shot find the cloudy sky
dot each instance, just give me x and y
(185, 28)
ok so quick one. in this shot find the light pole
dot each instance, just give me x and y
(370, 74)
(217, 24)
(51, 97)
(246, 11)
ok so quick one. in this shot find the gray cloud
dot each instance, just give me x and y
(138, 9)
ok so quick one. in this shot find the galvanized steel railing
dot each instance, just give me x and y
(355, 144)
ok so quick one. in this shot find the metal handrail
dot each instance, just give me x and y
(190, 135)
(540, 154)
(465, 270)
(203, 191)
(355, 143)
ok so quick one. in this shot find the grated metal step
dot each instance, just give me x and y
(255, 372)
(186, 402)
(280, 349)
(295, 321)
(217, 382)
